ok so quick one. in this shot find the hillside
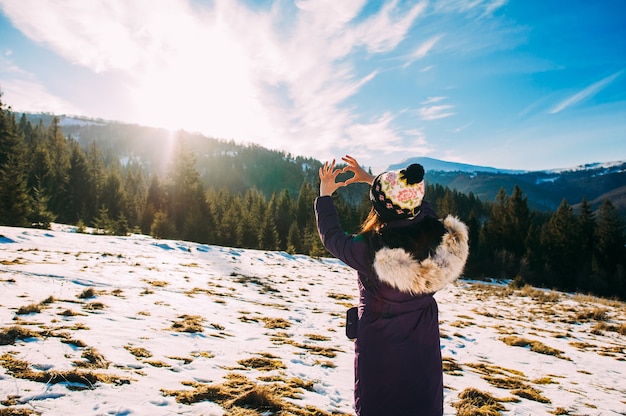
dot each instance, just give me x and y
(97, 325)
(239, 167)
(545, 189)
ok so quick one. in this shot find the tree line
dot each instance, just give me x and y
(47, 177)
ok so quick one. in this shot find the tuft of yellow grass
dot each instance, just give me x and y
(535, 346)
(477, 403)
(240, 396)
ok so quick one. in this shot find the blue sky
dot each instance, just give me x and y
(526, 84)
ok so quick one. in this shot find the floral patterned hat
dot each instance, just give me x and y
(398, 194)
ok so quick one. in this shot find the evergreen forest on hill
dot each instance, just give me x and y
(218, 192)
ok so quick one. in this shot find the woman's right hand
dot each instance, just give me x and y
(360, 175)
(328, 177)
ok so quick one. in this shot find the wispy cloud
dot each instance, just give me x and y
(431, 100)
(479, 8)
(227, 69)
(590, 91)
(429, 111)
(24, 95)
(422, 50)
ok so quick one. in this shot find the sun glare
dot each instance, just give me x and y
(203, 85)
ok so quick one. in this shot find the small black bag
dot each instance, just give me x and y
(352, 321)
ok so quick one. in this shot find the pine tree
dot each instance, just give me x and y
(15, 203)
(498, 220)
(447, 204)
(58, 150)
(294, 239)
(609, 236)
(560, 238)
(155, 202)
(96, 175)
(113, 195)
(162, 226)
(268, 236)
(184, 190)
(518, 223)
(103, 223)
(78, 184)
(135, 188)
(254, 206)
(41, 216)
(283, 216)
(587, 224)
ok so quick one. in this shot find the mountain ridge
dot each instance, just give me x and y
(545, 189)
(446, 166)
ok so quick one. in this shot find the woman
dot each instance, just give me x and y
(403, 255)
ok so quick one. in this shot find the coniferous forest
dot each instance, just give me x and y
(222, 193)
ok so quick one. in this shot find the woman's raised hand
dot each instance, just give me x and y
(328, 176)
(360, 175)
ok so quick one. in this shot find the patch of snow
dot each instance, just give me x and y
(143, 286)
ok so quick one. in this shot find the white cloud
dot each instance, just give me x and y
(435, 112)
(280, 75)
(422, 50)
(585, 93)
(480, 8)
(25, 96)
(431, 100)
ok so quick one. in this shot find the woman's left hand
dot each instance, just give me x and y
(328, 176)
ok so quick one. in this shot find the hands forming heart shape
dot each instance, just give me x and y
(328, 175)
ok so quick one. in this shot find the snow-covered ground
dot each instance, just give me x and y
(104, 325)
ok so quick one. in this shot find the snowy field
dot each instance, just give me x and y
(103, 325)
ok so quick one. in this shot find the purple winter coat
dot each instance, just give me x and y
(398, 368)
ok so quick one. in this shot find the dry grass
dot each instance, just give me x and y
(189, 323)
(9, 335)
(266, 362)
(264, 286)
(276, 323)
(28, 309)
(87, 293)
(240, 396)
(451, 367)
(138, 352)
(541, 296)
(513, 380)
(477, 403)
(35, 307)
(282, 338)
(69, 312)
(535, 346)
(530, 393)
(17, 411)
(93, 359)
(593, 314)
(340, 296)
(156, 283)
(317, 337)
(75, 379)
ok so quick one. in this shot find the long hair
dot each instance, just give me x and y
(372, 223)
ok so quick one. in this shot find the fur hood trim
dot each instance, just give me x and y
(401, 270)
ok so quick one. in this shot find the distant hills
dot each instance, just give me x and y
(545, 189)
(236, 166)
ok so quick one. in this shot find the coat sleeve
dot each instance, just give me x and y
(350, 249)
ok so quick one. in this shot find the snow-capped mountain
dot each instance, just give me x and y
(545, 189)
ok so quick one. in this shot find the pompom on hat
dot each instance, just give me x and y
(398, 194)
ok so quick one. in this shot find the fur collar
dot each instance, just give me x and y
(399, 269)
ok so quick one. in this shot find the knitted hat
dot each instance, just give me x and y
(398, 194)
